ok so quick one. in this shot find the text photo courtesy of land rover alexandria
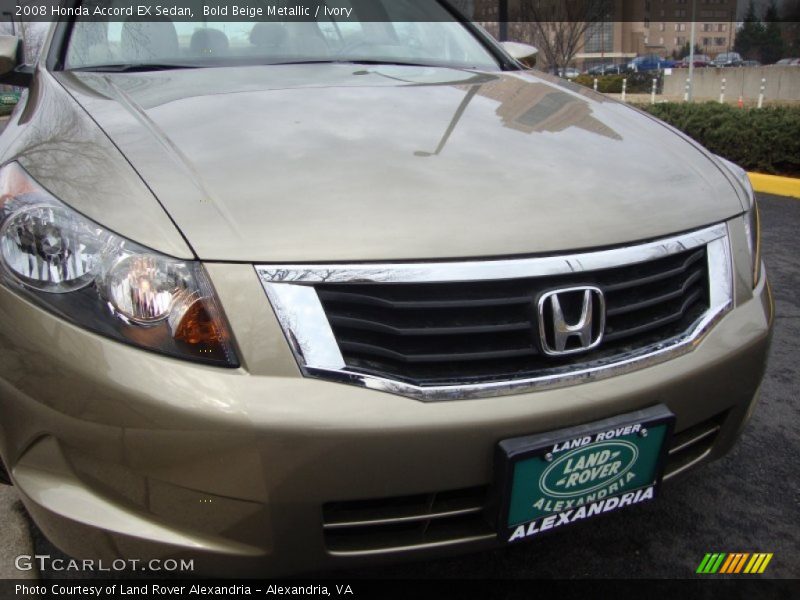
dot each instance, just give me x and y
(292, 296)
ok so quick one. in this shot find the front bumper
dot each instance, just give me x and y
(123, 453)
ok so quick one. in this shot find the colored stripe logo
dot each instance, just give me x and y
(734, 563)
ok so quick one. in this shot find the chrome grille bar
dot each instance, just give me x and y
(300, 312)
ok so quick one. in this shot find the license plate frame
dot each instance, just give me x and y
(565, 448)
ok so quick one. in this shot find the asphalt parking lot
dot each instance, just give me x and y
(748, 501)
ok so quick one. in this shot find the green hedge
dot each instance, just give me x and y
(608, 84)
(638, 83)
(765, 140)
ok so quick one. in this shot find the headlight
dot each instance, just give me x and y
(98, 280)
(752, 224)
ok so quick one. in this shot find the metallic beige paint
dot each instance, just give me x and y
(340, 162)
(68, 154)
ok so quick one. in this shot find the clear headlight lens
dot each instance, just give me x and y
(47, 248)
(141, 288)
(70, 265)
(752, 224)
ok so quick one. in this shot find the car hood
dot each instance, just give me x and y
(344, 162)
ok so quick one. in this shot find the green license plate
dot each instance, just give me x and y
(553, 479)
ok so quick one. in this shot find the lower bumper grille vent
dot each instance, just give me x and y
(406, 522)
(690, 446)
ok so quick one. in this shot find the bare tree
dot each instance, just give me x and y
(790, 15)
(32, 33)
(558, 26)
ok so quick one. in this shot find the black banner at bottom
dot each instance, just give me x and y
(74, 589)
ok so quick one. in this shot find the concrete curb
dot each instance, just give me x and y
(773, 184)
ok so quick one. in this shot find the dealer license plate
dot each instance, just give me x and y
(557, 478)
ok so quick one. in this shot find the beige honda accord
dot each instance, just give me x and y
(286, 296)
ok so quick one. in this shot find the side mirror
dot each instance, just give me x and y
(12, 69)
(519, 51)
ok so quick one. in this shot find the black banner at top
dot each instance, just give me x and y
(645, 11)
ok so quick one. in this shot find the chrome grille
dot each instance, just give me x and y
(441, 333)
(469, 329)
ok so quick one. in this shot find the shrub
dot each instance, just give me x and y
(765, 140)
(638, 83)
(608, 84)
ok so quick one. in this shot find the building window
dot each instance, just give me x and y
(722, 27)
(599, 37)
(706, 41)
(719, 41)
(661, 27)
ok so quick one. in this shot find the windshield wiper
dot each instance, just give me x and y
(355, 61)
(133, 67)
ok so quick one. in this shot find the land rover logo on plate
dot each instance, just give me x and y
(551, 479)
(586, 470)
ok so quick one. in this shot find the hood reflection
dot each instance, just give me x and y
(528, 107)
(535, 108)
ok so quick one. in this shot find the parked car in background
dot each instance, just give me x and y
(788, 62)
(700, 60)
(650, 62)
(728, 59)
(608, 69)
(569, 73)
(751, 63)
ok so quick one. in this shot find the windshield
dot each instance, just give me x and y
(415, 32)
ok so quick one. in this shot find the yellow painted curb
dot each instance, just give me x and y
(773, 184)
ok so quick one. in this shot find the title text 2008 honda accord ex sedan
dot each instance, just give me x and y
(292, 296)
